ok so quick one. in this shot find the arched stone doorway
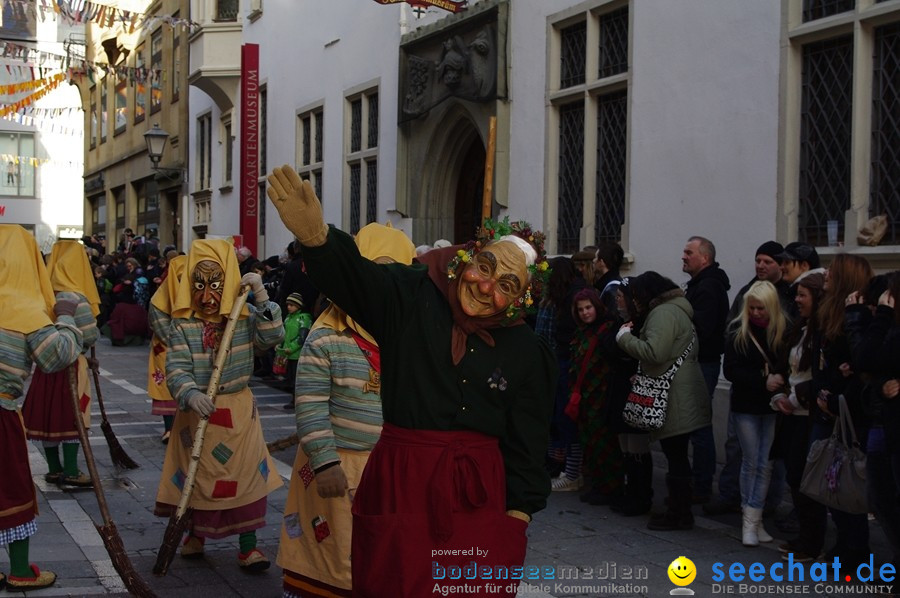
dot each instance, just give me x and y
(469, 189)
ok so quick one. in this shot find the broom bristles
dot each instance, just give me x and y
(134, 583)
(174, 531)
(118, 455)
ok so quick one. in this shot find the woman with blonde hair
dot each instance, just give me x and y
(755, 363)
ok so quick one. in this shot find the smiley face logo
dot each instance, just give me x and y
(682, 571)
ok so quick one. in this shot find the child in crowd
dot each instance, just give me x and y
(296, 328)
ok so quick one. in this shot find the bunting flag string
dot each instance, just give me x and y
(45, 126)
(32, 161)
(17, 88)
(104, 15)
(28, 100)
(61, 112)
(21, 8)
(38, 59)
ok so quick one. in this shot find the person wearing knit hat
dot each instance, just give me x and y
(584, 263)
(768, 267)
(48, 412)
(35, 327)
(297, 323)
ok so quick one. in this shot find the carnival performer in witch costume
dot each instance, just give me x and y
(28, 335)
(48, 411)
(466, 395)
(235, 473)
(160, 318)
(338, 407)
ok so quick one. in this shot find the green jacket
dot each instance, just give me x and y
(296, 327)
(664, 336)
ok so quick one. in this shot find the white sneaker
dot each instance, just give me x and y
(566, 484)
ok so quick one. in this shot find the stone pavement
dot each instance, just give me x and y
(589, 551)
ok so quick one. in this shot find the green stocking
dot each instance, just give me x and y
(247, 541)
(70, 459)
(52, 454)
(18, 559)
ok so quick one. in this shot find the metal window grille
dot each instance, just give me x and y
(373, 121)
(355, 125)
(570, 213)
(819, 9)
(825, 135)
(885, 183)
(354, 198)
(307, 140)
(614, 43)
(317, 184)
(572, 55)
(226, 10)
(612, 120)
(372, 191)
(319, 123)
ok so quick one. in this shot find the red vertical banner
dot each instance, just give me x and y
(250, 145)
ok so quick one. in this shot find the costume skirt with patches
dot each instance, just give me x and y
(48, 411)
(424, 491)
(314, 550)
(157, 389)
(18, 503)
(235, 473)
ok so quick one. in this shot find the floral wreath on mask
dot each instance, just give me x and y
(539, 272)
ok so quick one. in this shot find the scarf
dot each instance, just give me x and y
(164, 297)
(70, 270)
(463, 324)
(26, 295)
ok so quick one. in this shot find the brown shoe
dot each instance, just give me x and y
(254, 561)
(53, 478)
(192, 548)
(41, 579)
(81, 480)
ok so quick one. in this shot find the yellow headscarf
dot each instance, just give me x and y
(26, 295)
(70, 270)
(163, 297)
(374, 241)
(221, 252)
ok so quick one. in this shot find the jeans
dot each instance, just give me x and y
(729, 476)
(755, 433)
(702, 440)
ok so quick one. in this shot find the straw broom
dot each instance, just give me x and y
(119, 457)
(108, 532)
(179, 521)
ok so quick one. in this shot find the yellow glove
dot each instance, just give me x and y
(298, 206)
(519, 515)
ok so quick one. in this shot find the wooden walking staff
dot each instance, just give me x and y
(179, 520)
(108, 532)
(118, 455)
(487, 195)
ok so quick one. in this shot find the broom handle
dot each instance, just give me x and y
(211, 390)
(86, 445)
(97, 383)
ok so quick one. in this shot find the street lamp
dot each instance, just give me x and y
(156, 139)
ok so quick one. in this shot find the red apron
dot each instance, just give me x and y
(430, 511)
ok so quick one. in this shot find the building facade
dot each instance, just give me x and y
(40, 140)
(638, 122)
(138, 80)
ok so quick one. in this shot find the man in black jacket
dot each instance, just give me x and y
(707, 291)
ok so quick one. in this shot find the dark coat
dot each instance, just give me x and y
(707, 293)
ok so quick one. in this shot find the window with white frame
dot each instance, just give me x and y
(588, 89)
(204, 151)
(311, 125)
(841, 118)
(361, 159)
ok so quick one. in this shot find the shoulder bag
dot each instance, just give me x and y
(648, 401)
(835, 472)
